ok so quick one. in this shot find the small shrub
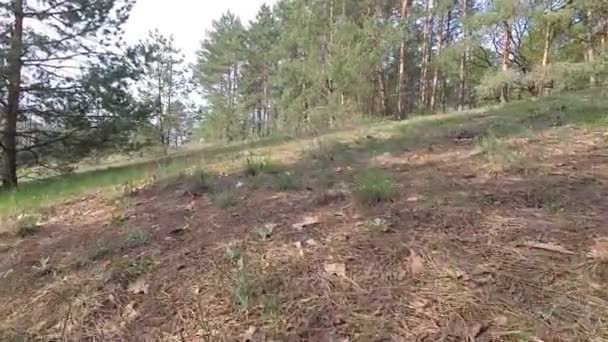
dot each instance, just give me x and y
(127, 270)
(286, 181)
(265, 232)
(243, 290)
(201, 180)
(137, 238)
(256, 166)
(224, 199)
(28, 225)
(234, 254)
(104, 248)
(372, 187)
(501, 157)
(270, 305)
(118, 220)
(378, 225)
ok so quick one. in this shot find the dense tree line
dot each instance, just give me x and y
(306, 65)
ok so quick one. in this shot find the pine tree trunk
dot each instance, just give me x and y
(504, 92)
(9, 127)
(436, 71)
(589, 50)
(545, 60)
(463, 59)
(425, 54)
(382, 91)
(401, 82)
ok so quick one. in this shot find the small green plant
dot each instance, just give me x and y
(137, 238)
(372, 187)
(256, 166)
(264, 232)
(270, 305)
(243, 290)
(28, 225)
(378, 225)
(234, 254)
(128, 269)
(286, 182)
(104, 248)
(224, 199)
(501, 156)
(118, 220)
(201, 180)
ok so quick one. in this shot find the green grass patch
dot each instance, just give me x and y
(501, 156)
(259, 165)
(137, 238)
(287, 182)
(224, 199)
(373, 186)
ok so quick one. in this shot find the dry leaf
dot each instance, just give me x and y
(139, 286)
(298, 245)
(336, 269)
(311, 242)
(548, 247)
(412, 199)
(248, 335)
(129, 313)
(306, 222)
(415, 263)
(599, 250)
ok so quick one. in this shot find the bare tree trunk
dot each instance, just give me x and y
(545, 61)
(504, 92)
(436, 71)
(9, 124)
(382, 91)
(426, 34)
(401, 82)
(463, 59)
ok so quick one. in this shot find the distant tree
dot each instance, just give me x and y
(165, 82)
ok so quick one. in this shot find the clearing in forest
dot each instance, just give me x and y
(482, 226)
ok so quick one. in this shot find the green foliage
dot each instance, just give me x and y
(502, 157)
(286, 181)
(373, 186)
(104, 248)
(256, 166)
(137, 238)
(224, 199)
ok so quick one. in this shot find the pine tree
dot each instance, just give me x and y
(39, 64)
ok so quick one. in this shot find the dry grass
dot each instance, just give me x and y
(443, 254)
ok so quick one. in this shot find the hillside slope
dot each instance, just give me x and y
(483, 226)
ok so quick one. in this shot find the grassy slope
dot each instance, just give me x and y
(485, 225)
(516, 118)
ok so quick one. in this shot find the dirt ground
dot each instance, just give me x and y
(469, 250)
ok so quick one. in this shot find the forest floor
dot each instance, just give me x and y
(484, 226)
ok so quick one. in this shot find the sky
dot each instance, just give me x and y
(187, 20)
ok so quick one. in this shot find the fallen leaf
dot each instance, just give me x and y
(298, 245)
(129, 313)
(139, 286)
(412, 199)
(548, 247)
(306, 222)
(337, 269)
(311, 242)
(599, 250)
(248, 335)
(415, 263)
(500, 320)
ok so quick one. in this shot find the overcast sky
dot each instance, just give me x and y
(187, 20)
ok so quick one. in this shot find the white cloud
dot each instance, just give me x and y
(186, 20)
